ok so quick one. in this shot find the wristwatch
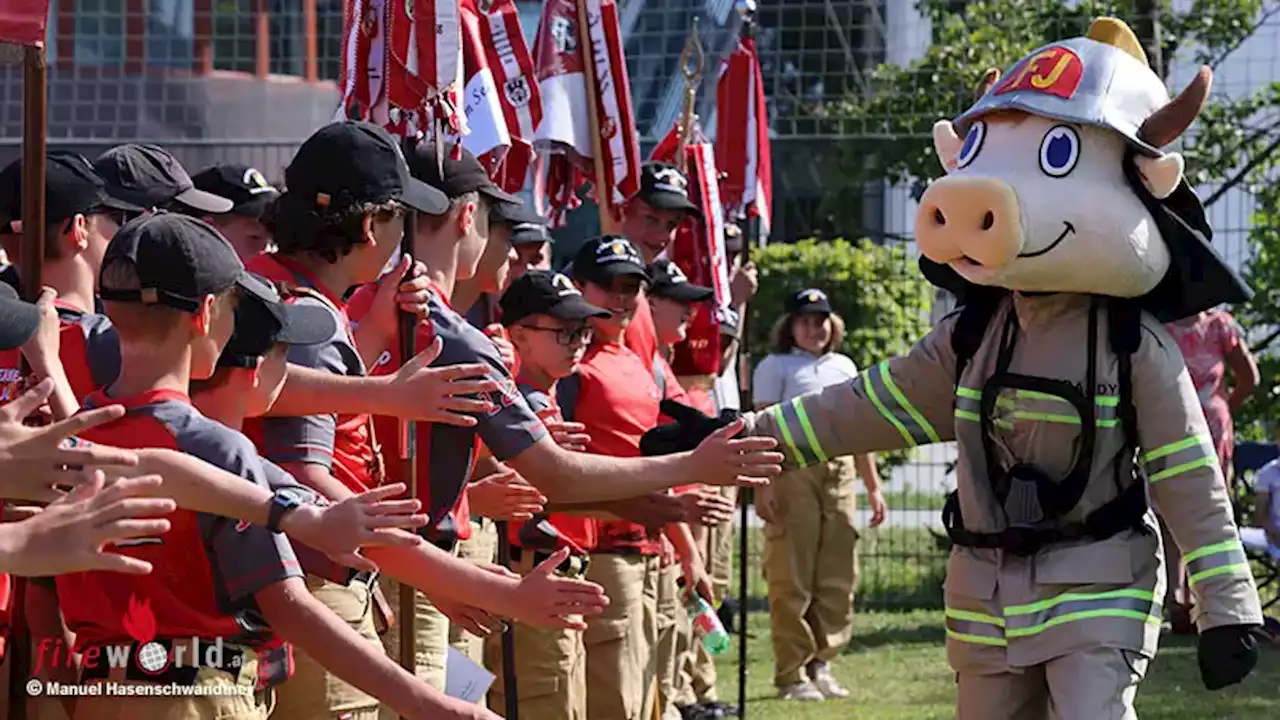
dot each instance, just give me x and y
(284, 500)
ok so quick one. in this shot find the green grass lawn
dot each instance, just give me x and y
(897, 670)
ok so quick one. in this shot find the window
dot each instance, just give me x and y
(99, 32)
(170, 32)
(233, 43)
(288, 46)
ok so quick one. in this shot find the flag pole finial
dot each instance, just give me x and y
(692, 62)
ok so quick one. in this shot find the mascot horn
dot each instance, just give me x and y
(1069, 235)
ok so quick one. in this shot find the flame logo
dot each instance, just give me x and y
(138, 620)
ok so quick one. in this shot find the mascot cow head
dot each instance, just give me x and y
(1057, 182)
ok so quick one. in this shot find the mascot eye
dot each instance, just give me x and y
(972, 144)
(1059, 151)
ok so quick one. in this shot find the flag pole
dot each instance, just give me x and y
(409, 458)
(604, 192)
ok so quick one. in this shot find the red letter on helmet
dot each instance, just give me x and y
(1054, 71)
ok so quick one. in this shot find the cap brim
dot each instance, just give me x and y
(516, 213)
(672, 201)
(575, 307)
(258, 288)
(206, 201)
(683, 292)
(623, 269)
(424, 198)
(18, 319)
(255, 207)
(116, 203)
(494, 192)
(306, 325)
(530, 238)
(813, 309)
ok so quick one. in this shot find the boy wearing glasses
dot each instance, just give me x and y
(546, 318)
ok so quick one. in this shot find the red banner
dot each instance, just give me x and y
(23, 21)
(742, 136)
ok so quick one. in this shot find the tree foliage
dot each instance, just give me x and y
(1234, 144)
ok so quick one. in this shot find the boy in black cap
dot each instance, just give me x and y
(152, 178)
(546, 317)
(171, 284)
(533, 243)
(252, 194)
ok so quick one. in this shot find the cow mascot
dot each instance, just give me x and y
(1069, 236)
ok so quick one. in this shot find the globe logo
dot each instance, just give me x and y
(152, 657)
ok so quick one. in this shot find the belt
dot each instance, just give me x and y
(175, 670)
(365, 577)
(574, 565)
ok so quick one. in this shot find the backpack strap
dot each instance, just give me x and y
(966, 337)
(1125, 321)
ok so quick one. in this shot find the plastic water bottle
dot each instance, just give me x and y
(707, 624)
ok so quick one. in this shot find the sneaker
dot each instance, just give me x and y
(800, 691)
(826, 684)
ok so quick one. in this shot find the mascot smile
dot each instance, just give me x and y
(1069, 234)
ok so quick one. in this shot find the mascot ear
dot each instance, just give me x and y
(1161, 175)
(946, 144)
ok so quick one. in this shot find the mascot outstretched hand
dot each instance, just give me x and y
(1069, 235)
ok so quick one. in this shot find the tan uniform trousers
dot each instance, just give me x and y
(1097, 684)
(811, 566)
(620, 661)
(480, 548)
(249, 706)
(432, 630)
(698, 679)
(551, 665)
(671, 646)
(313, 693)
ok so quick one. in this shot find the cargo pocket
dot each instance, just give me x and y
(975, 629)
(604, 630)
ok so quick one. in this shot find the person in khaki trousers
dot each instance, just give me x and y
(810, 560)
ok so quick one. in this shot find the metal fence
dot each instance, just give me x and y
(247, 80)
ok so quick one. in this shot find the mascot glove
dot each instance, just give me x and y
(690, 428)
(1227, 654)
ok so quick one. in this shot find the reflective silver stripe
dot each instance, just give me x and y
(896, 408)
(1179, 457)
(1128, 603)
(1218, 559)
(975, 628)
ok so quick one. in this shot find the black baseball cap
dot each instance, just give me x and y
(663, 186)
(530, 232)
(346, 163)
(516, 213)
(453, 176)
(18, 319)
(670, 282)
(71, 187)
(149, 176)
(541, 292)
(808, 301)
(262, 323)
(603, 258)
(241, 184)
(178, 260)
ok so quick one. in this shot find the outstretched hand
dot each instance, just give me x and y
(373, 517)
(33, 460)
(445, 394)
(543, 598)
(71, 534)
(723, 459)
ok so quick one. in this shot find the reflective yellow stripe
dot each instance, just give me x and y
(1072, 597)
(884, 411)
(808, 429)
(974, 617)
(970, 393)
(966, 415)
(1243, 568)
(1172, 448)
(903, 403)
(1149, 618)
(1224, 546)
(776, 410)
(1184, 467)
(976, 639)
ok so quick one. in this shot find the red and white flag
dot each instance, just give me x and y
(699, 251)
(23, 21)
(500, 100)
(560, 51)
(742, 136)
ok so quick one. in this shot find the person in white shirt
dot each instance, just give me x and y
(1265, 535)
(810, 559)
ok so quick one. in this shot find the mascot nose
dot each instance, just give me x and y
(975, 218)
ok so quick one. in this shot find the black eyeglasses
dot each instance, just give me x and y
(567, 336)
